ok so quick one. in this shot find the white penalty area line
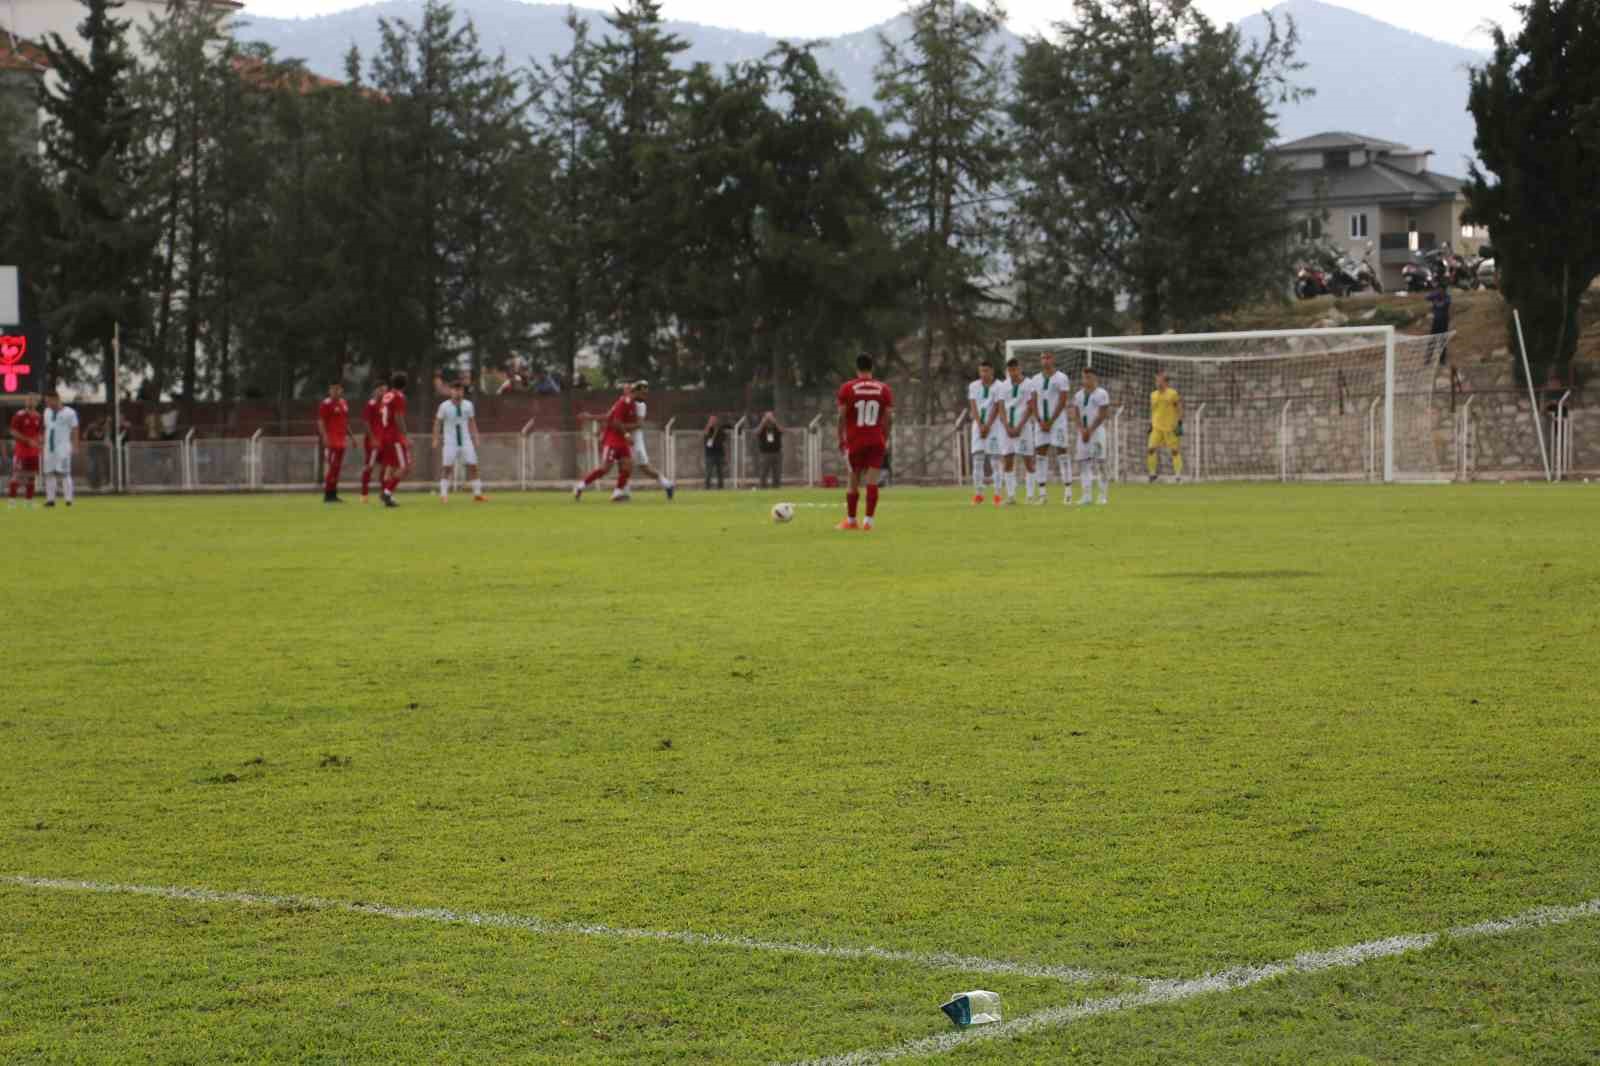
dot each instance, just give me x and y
(938, 960)
(1158, 993)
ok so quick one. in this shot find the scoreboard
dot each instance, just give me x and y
(24, 349)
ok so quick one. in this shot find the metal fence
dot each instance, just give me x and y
(928, 454)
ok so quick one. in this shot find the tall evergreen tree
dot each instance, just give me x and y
(1143, 131)
(92, 157)
(638, 174)
(181, 92)
(828, 257)
(1537, 106)
(943, 95)
(563, 253)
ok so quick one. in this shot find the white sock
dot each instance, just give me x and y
(1043, 476)
(1011, 484)
(1033, 484)
(50, 490)
(477, 486)
(444, 488)
(68, 486)
(1066, 473)
(1088, 480)
(977, 475)
(1105, 482)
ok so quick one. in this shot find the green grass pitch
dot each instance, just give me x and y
(1205, 727)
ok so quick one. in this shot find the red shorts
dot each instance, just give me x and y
(395, 455)
(25, 464)
(369, 451)
(614, 450)
(867, 457)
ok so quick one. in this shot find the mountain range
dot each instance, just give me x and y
(1369, 77)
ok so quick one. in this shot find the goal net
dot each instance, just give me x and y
(1349, 403)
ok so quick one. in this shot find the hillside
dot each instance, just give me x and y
(1369, 76)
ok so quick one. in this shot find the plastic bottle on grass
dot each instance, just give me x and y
(973, 1008)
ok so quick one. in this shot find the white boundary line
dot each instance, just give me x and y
(938, 960)
(1157, 993)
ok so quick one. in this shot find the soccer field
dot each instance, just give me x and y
(1217, 773)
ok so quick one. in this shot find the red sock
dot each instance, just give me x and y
(851, 499)
(30, 488)
(366, 480)
(622, 479)
(594, 475)
(872, 500)
(389, 485)
(13, 490)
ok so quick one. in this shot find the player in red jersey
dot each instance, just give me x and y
(395, 447)
(333, 426)
(866, 411)
(27, 431)
(372, 441)
(616, 449)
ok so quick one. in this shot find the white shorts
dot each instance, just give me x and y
(1094, 449)
(1022, 444)
(641, 457)
(1055, 437)
(58, 463)
(982, 445)
(466, 452)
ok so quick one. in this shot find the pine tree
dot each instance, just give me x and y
(1142, 131)
(563, 253)
(943, 95)
(181, 94)
(92, 132)
(1537, 106)
(638, 175)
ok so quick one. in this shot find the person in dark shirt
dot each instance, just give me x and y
(716, 451)
(769, 450)
(1439, 298)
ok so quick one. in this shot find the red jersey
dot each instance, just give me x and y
(370, 415)
(865, 402)
(28, 424)
(391, 409)
(335, 418)
(622, 412)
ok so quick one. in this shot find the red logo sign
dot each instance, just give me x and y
(12, 349)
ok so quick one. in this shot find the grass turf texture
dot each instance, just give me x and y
(1205, 726)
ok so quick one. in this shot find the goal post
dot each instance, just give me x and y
(1282, 405)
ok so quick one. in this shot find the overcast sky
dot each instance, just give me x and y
(1457, 21)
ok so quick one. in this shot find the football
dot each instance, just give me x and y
(783, 512)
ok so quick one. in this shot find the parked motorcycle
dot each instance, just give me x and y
(1355, 275)
(1310, 282)
(1417, 276)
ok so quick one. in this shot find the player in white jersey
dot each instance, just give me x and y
(456, 424)
(1091, 407)
(60, 443)
(640, 391)
(985, 444)
(1052, 389)
(1013, 409)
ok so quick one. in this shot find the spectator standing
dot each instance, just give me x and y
(99, 455)
(769, 449)
(716, 451)
(1439, 298)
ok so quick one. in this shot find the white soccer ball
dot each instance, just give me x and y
(783, 512)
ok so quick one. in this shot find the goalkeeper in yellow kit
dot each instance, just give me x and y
(1166, 427)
